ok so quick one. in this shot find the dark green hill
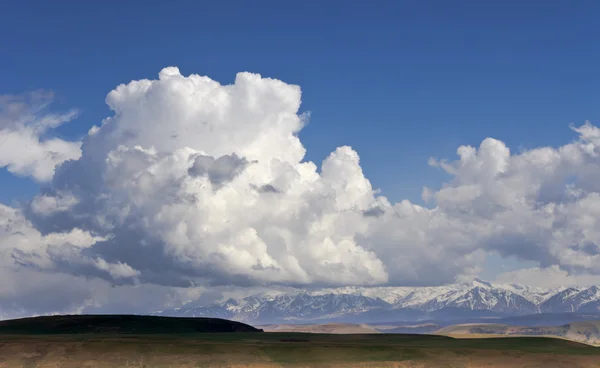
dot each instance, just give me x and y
(120, 324)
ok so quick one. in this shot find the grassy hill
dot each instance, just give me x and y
(119, 324)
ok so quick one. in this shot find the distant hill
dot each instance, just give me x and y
(328, 328)
(120, 324)
(584, 331)
(348, 328)
(580, 331)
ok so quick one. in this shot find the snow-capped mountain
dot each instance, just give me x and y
(573, 300)
(357, 304)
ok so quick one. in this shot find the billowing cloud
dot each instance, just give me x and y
(549, 278)
(193, 183)
(540, 205)
(27, 290)
(20, 241)
(25, 148)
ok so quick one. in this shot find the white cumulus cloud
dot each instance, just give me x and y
(549, 278)
(24, 148)
(27, 290)
(191, 182)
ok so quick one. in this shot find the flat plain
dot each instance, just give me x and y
(249, 349)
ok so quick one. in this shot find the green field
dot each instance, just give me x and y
(288, 350)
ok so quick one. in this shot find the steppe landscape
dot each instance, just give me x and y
(102, 342)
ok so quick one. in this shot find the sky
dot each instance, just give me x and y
(170, 151)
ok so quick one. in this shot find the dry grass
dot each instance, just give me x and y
(269, 350)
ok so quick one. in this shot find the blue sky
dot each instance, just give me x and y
(398, 81)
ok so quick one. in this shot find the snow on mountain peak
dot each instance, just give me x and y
(480, 283)
(361, 304)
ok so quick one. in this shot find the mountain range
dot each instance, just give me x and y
(461, 301)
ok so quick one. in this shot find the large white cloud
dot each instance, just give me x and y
(549, 278)
(28, 290)
(24, 148)
(196, 183)
(542, 204)
(192, 181)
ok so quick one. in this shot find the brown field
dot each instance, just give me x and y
(587, 332)
(329, 328)
(289, 350)
(347, 328)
